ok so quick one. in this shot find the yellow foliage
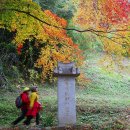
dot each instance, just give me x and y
(98, 15)
(20, 16)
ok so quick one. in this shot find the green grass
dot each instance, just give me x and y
(103, 103)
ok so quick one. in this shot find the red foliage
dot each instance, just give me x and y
(117, 10)
(19, 48)
(59, 34)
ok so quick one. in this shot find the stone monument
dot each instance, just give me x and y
(66, 73)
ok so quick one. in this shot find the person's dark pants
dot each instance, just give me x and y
(21, 117)
(29, 118)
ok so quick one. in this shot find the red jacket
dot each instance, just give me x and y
(35, 109)
(25, 100)
(35, 106)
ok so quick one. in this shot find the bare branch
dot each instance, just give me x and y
(112, 38)
(68, 29)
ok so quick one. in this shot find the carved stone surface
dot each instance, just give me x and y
(66, 74)
(66, 101)
(66, 69)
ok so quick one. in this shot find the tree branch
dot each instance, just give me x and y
(68, 29)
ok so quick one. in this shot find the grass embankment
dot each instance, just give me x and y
(104, 103)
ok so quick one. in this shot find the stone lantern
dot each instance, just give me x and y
(66, 73)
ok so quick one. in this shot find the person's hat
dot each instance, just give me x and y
(34, 88)
(26, 89)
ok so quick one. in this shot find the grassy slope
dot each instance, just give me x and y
(106, 100)
(103, 103)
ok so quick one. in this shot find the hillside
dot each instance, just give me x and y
(104, 103)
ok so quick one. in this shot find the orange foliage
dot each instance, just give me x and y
(116, 10)
(50, 39)
(54, 17)
(60, 47)
(100, 15)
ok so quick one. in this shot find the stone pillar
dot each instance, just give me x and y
(66, 74)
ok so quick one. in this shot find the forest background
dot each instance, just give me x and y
(35, 35)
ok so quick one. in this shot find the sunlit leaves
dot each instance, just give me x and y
(111, 19)
(117, 11)
(53, 43)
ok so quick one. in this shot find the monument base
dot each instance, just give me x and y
(66, 101)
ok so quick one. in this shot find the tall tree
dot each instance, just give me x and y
(34, 33)
(109, 20)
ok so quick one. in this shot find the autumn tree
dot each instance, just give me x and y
(107, 21)
(39, 36)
